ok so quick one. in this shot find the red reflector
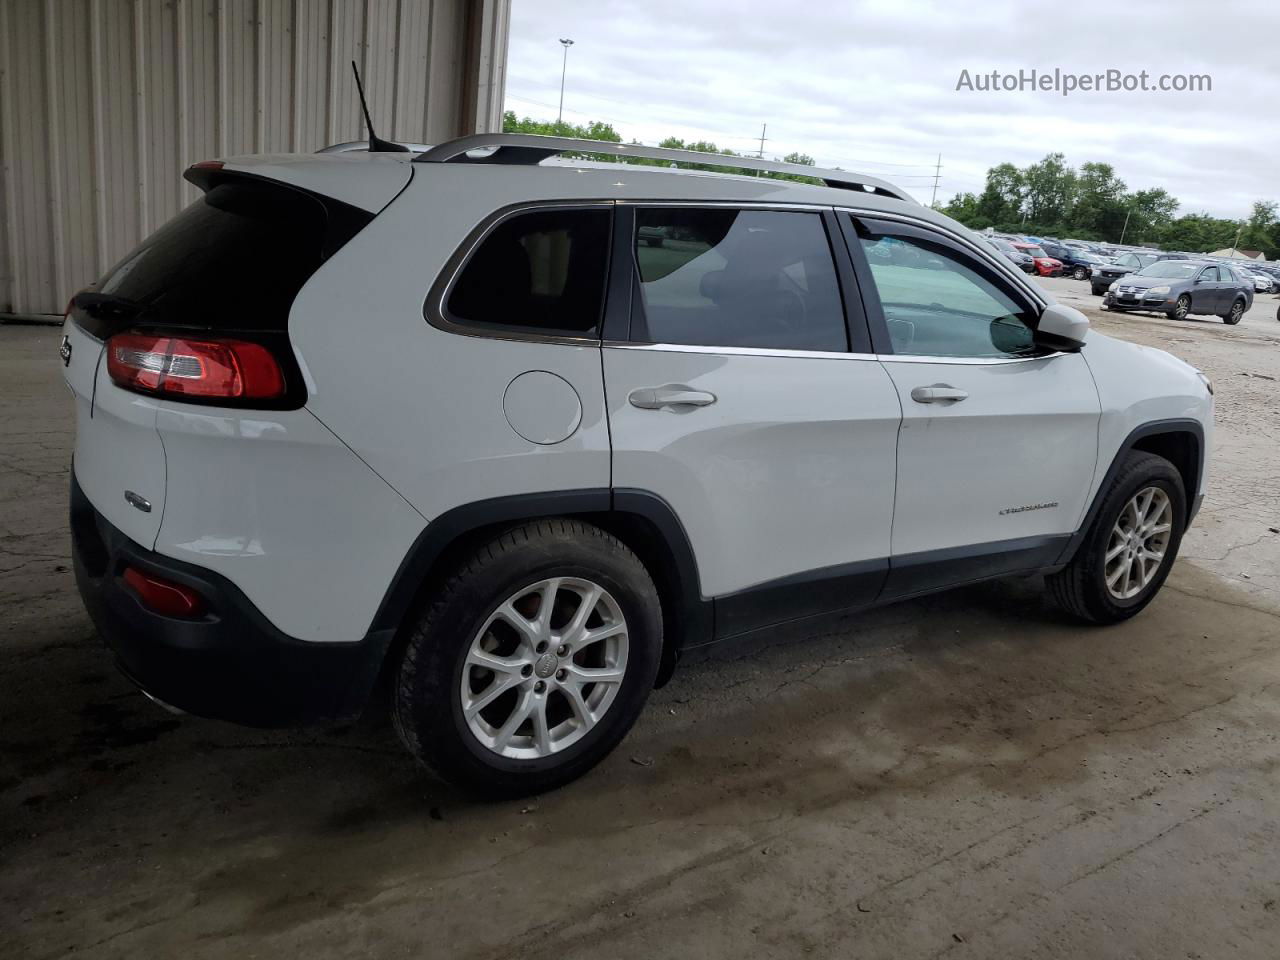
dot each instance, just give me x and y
(230, 369)
(207, 165)
(164, 596)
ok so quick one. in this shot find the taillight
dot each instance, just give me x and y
(204, 369)
(164, 596)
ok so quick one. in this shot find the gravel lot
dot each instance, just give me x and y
(970, 774)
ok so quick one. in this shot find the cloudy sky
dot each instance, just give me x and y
(871, 84)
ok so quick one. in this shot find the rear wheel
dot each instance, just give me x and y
(1080, 273)
(1129, 549)
(1235, 313)
(532, 661)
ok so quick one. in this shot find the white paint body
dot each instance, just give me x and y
(805, 461)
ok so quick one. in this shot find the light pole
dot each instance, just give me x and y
(563, 68)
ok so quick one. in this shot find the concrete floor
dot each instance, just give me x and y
(971, 774)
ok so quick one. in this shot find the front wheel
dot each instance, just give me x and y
(1131, 545)
(1181, 309)
(1234, 314)
(532, 661)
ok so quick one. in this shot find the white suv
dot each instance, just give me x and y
(516, 432)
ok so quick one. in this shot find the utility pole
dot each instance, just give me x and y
(1125, 228)
(937, 173)
(1236, 242)
(563, 69)
(760, 154)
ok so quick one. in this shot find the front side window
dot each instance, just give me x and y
(938, 303)
(737, 278)
(541, 272)
(1210, 275)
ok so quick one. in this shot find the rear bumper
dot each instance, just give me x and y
(230, 664)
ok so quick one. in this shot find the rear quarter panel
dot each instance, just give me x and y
(424, 406)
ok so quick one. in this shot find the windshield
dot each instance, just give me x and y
(1172, 269)
(1034, 251)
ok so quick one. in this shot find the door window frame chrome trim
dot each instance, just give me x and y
(737, 351)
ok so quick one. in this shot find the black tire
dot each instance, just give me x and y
(1233, 316)
(1080, 588)
(1182, 309)
(1080, 273)
(1096, 290)
(427, 711)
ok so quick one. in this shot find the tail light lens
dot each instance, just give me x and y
(199, 369)
(164, 596)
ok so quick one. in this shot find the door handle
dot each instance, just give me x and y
(670, 395)
(938, 393)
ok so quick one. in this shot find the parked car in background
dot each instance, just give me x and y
(1102, 275)
(1272, 272)
(1045, 265)
(1182, 288)
(1076, 261)
(1023, 261)
(1261, 282)
(559, 457)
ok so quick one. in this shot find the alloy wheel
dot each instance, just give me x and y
(1182, 307)
(545, 668)
(1138, 544)
(1237, 311)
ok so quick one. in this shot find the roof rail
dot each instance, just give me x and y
(362, 146)
(524, 148)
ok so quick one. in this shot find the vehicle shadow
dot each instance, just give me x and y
(179, 820)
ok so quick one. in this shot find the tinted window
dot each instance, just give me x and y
(541, 272)
(737, 278)
(234, 259)
(938, 303)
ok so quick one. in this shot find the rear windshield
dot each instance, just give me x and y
(233, 260)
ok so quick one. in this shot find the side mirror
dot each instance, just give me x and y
(1061, 328)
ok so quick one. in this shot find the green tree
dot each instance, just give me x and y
(1197, 233)
(1262, 232)
(966, 207)
(1050, 190)
(1000, 204)
(595, 130)
(1099, 207)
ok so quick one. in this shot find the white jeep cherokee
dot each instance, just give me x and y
(517, 435)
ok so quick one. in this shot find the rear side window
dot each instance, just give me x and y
(233, 260)
(541, 272)
(737, 278)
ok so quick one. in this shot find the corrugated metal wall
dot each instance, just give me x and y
(103, 104)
